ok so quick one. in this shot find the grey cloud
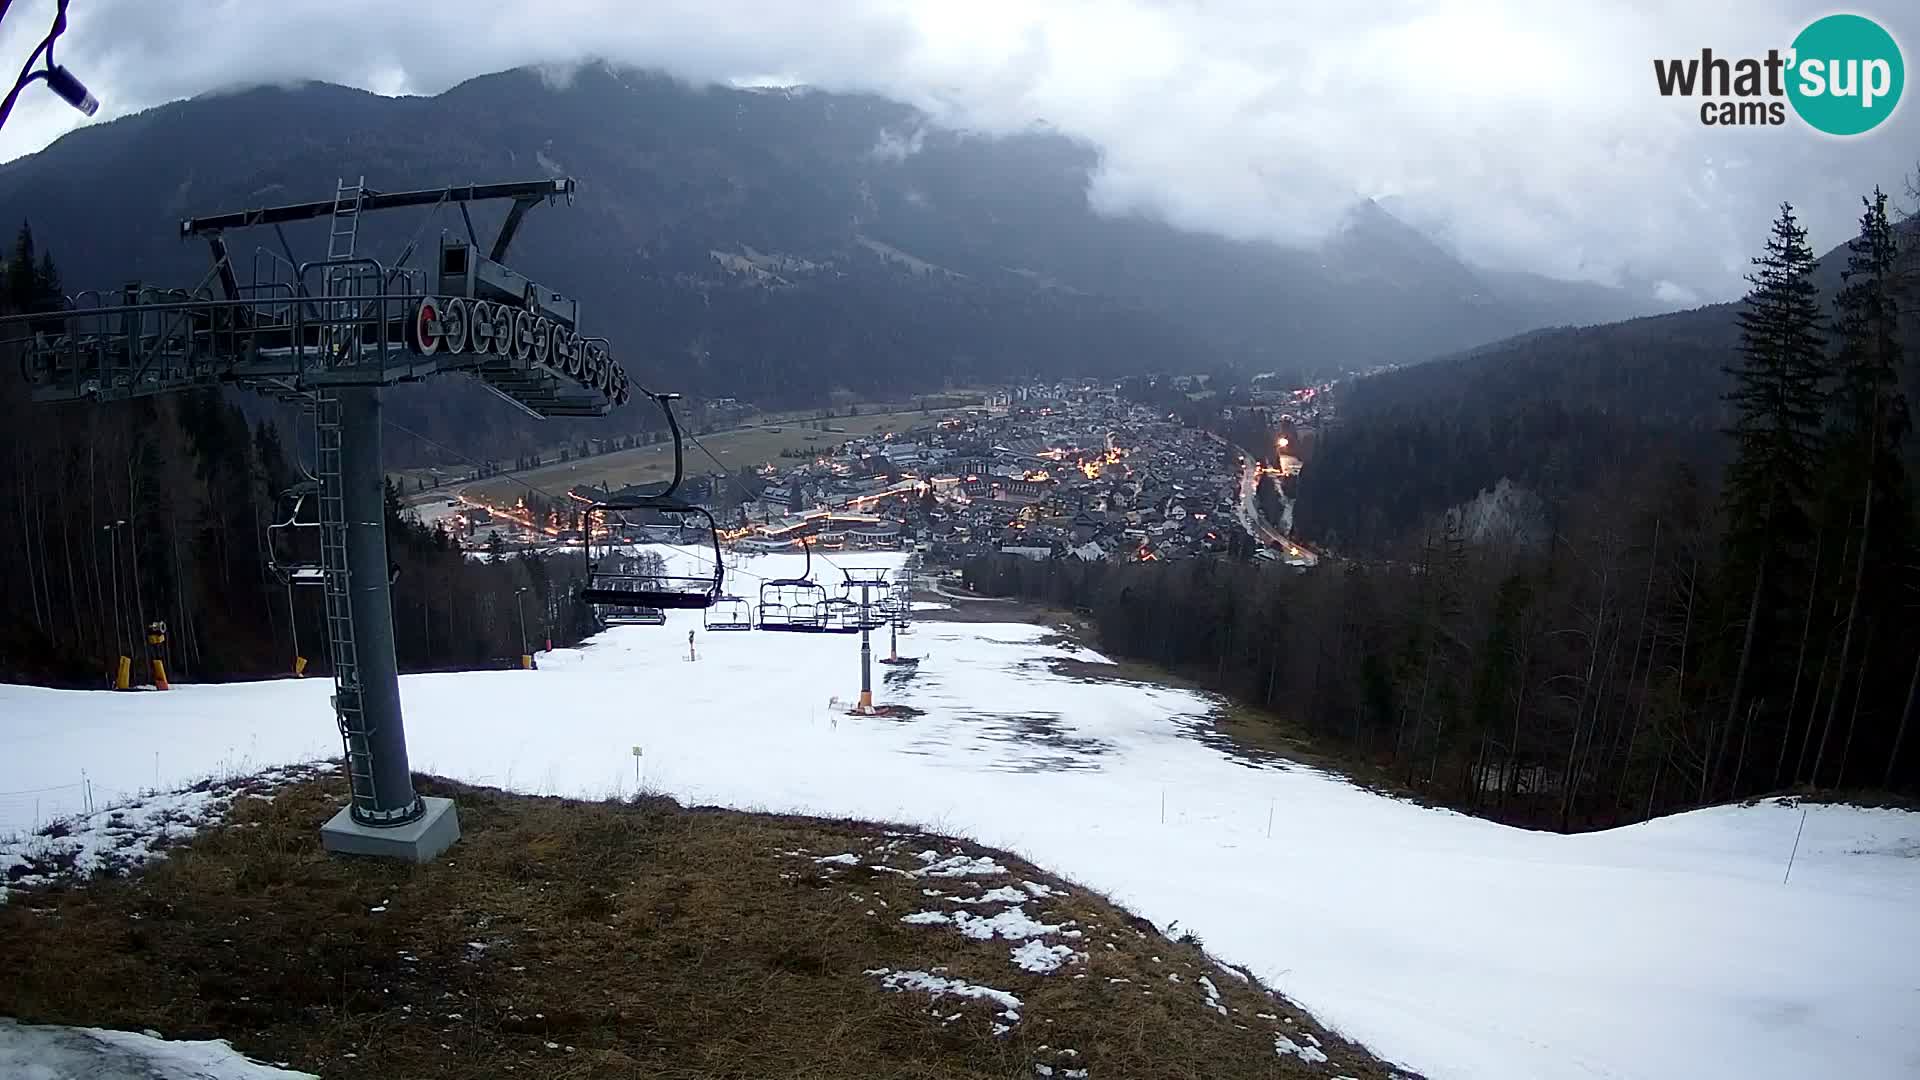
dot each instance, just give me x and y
(1522, 135)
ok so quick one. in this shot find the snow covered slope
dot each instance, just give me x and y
(1459, 947)
(46, 1052)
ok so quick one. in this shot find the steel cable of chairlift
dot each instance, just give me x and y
(537, 489)
(655, 591)
(741, 488)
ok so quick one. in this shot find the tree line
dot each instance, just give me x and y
(120, 515)
(1676, 642)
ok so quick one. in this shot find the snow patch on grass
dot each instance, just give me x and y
(1310, 1053)
(1012, 924)
(1005, 894)
(1041, 958)
(940, 986)
(956, 866)
(119, 839)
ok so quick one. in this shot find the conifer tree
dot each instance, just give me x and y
(1869, 423)
(1778, 399)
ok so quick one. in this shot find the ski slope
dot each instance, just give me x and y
(1456, 946)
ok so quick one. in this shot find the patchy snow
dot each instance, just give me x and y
(1213, 995)
(1013, 924)
(1456, 945)
(1042, 959)
(940, 986)
(844, 859)
(931, 605)
(1311, 1053)
(1040, 890)
(963, 866)
(1005, 894)
(46, 1052)
(120, 837)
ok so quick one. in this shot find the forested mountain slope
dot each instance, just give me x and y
(778, 245)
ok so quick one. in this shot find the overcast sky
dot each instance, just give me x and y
(1523, 134)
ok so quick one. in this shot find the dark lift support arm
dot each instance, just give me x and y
(525, 194)
(525, 191)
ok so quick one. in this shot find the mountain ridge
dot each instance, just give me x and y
(779, 247)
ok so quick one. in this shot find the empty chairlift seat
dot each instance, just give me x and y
(840, 616)
(634, 585)
(791, 604)
(728, 613)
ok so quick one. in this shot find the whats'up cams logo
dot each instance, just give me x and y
(1842, 76)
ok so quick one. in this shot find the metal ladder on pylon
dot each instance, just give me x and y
(346, 218)
(343, 234)
(337, 583)
(337, 287)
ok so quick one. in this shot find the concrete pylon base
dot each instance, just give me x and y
(418, 840)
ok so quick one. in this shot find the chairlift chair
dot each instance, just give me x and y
(728, 613)
(626, 595)
(840, 615)
(614, 583)
(792, 604)
(281, 536)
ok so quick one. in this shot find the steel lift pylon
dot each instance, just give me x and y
(329, 335)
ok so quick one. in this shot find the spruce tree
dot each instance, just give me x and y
(22, 293)
(1778, 400)
(46, 282)
(1869, 415)
(1869, 422)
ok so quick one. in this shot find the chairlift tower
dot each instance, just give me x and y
(329, 334)
(866, 580)
(898, 606)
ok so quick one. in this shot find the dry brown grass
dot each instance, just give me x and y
(966, 609)
(568, 939)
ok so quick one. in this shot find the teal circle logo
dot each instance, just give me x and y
(1846, 75)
